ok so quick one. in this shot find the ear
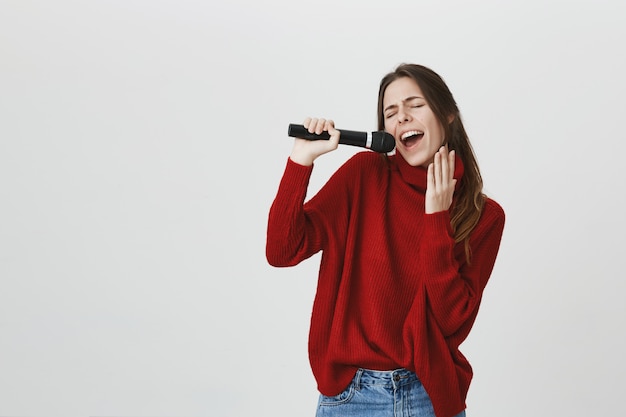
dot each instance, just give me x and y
(451, 118)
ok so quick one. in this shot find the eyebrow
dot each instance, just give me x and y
(393, 106)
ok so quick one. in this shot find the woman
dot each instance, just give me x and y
(408, 243)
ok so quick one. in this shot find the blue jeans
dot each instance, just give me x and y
(396, 393)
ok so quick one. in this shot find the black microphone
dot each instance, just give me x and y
(377, 141)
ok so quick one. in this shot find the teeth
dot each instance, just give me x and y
(411, 133)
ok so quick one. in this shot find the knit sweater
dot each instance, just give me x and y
(394, 289)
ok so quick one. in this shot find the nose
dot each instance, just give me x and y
(402, 115)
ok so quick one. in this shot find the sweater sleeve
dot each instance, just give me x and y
(297, 230)
(454, 288)
(286, 244)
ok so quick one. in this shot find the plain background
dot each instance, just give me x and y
(141, 145)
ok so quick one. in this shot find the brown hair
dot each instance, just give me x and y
(469, 198)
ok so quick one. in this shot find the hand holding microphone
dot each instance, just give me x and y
(321, 130)
(305, 151)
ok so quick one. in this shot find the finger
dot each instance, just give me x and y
(333, 141)
(430, 177)
(437, 170)
(445, 171)
(321, 126)
(307, 122)
(312, 125)
(451, 163)
(334, 133)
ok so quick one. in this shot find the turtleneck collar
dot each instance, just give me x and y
(417, 176)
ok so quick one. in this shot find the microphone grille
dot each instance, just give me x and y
(382, 142)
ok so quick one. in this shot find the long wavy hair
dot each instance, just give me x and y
(469, 199)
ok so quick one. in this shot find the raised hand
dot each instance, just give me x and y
(304, 151)
(440, 181)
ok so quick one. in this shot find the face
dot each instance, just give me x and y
(417, 131)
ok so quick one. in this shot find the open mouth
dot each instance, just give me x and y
(410, 138)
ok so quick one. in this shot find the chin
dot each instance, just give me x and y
(415, 159)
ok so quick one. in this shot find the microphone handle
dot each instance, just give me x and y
(347, 137)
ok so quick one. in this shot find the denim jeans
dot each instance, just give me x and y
(396, 393)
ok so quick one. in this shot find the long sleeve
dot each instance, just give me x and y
(454, 288)
(286, 244)
(297, 230)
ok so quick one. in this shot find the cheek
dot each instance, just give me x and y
(438, 129)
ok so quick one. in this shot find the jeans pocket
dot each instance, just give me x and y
(341, 398)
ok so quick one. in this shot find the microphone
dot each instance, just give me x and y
(379, 141)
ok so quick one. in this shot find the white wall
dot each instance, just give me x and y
(141, 144)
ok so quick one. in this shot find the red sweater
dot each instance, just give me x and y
(394, 290)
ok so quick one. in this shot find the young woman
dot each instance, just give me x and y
(408, 243)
